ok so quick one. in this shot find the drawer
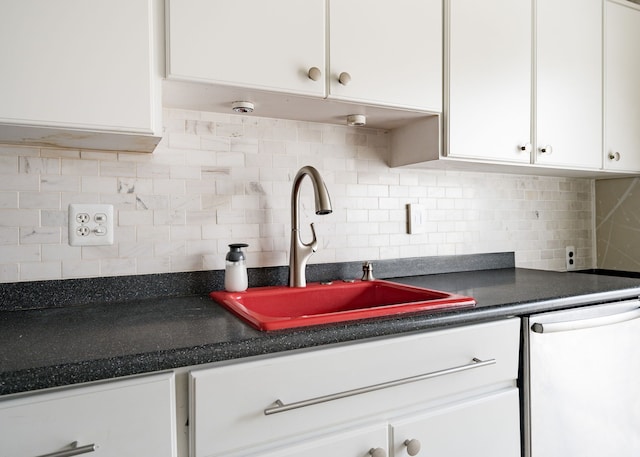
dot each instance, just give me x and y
(126, 418)
(228, 401)
(350, 443)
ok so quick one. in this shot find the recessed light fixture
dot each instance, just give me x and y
(242, 107)
(356, 120)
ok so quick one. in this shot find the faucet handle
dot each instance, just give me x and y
(367, 271)
(313, 244)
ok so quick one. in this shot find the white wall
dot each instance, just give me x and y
(217, 179)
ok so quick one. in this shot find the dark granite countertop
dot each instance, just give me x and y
(48, 347)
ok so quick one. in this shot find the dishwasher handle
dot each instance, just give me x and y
(580, 324)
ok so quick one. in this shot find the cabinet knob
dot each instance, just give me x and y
(314, 73)
(378, 452)
(546, 149)
(344, 78)
(413, 446)
(525, 147)
(615, 156)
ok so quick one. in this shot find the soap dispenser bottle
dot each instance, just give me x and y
(235, 275)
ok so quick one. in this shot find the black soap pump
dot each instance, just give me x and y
(235, 274)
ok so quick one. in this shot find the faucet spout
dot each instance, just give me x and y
(300, 251)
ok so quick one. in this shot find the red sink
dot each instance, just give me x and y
(275, 308)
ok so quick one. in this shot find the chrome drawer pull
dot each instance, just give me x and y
(280, 407)
(75, 450)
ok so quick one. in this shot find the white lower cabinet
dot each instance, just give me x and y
(486, 426)
(441, 388)
(358, 442)
(126, 418)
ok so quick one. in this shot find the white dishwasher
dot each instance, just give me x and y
(582, 382)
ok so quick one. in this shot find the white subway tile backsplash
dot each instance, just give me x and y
(18, 253)
(220, 178)
(18, 182)
(39, 235)
(117, 267)
(9, 199)
(9, 236)
(8, 164)
(36, 271)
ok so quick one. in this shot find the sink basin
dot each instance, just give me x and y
(274, 308)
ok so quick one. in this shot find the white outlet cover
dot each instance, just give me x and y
(570, 258)
(90, 224)
(416, 218)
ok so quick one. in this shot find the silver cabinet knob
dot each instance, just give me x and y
(525, 147)
(344, 78)
(413, 446)
(314, 73)
(614, 156)
(377, 452)
(546, 149)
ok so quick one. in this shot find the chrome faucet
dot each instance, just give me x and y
(300, 252)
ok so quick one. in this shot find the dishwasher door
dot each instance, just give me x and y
(582, 382)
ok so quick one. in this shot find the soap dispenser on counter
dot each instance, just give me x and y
(235, 274)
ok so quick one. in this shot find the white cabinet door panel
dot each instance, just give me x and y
(128, 418)
(622, 87)
(486, 426)
(352, 443)
(569, 83)
(391, 49)
(78, 64)
(249, 43)
(489, 69)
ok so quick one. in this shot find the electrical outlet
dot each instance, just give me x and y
(90, 225)
(570, 258)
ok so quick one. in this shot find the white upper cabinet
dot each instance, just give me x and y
(257, 44)
(568, 110)
(622, 87)
(489, 80)
(389, 51)
(75, 69)
(379, 54)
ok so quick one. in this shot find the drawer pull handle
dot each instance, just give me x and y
(280, 407)
(75, 450)
(377, 452)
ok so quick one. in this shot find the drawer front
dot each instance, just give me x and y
(228, 402)
(352, 443)
(484, 426)
(127, 418)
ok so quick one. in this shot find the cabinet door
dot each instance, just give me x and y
(129, 418)
(486, 426)
(622, 73)
(392, 51)
(78, 64)
(352, 443)
(569, 83)
(489, 79)
(249, 43)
